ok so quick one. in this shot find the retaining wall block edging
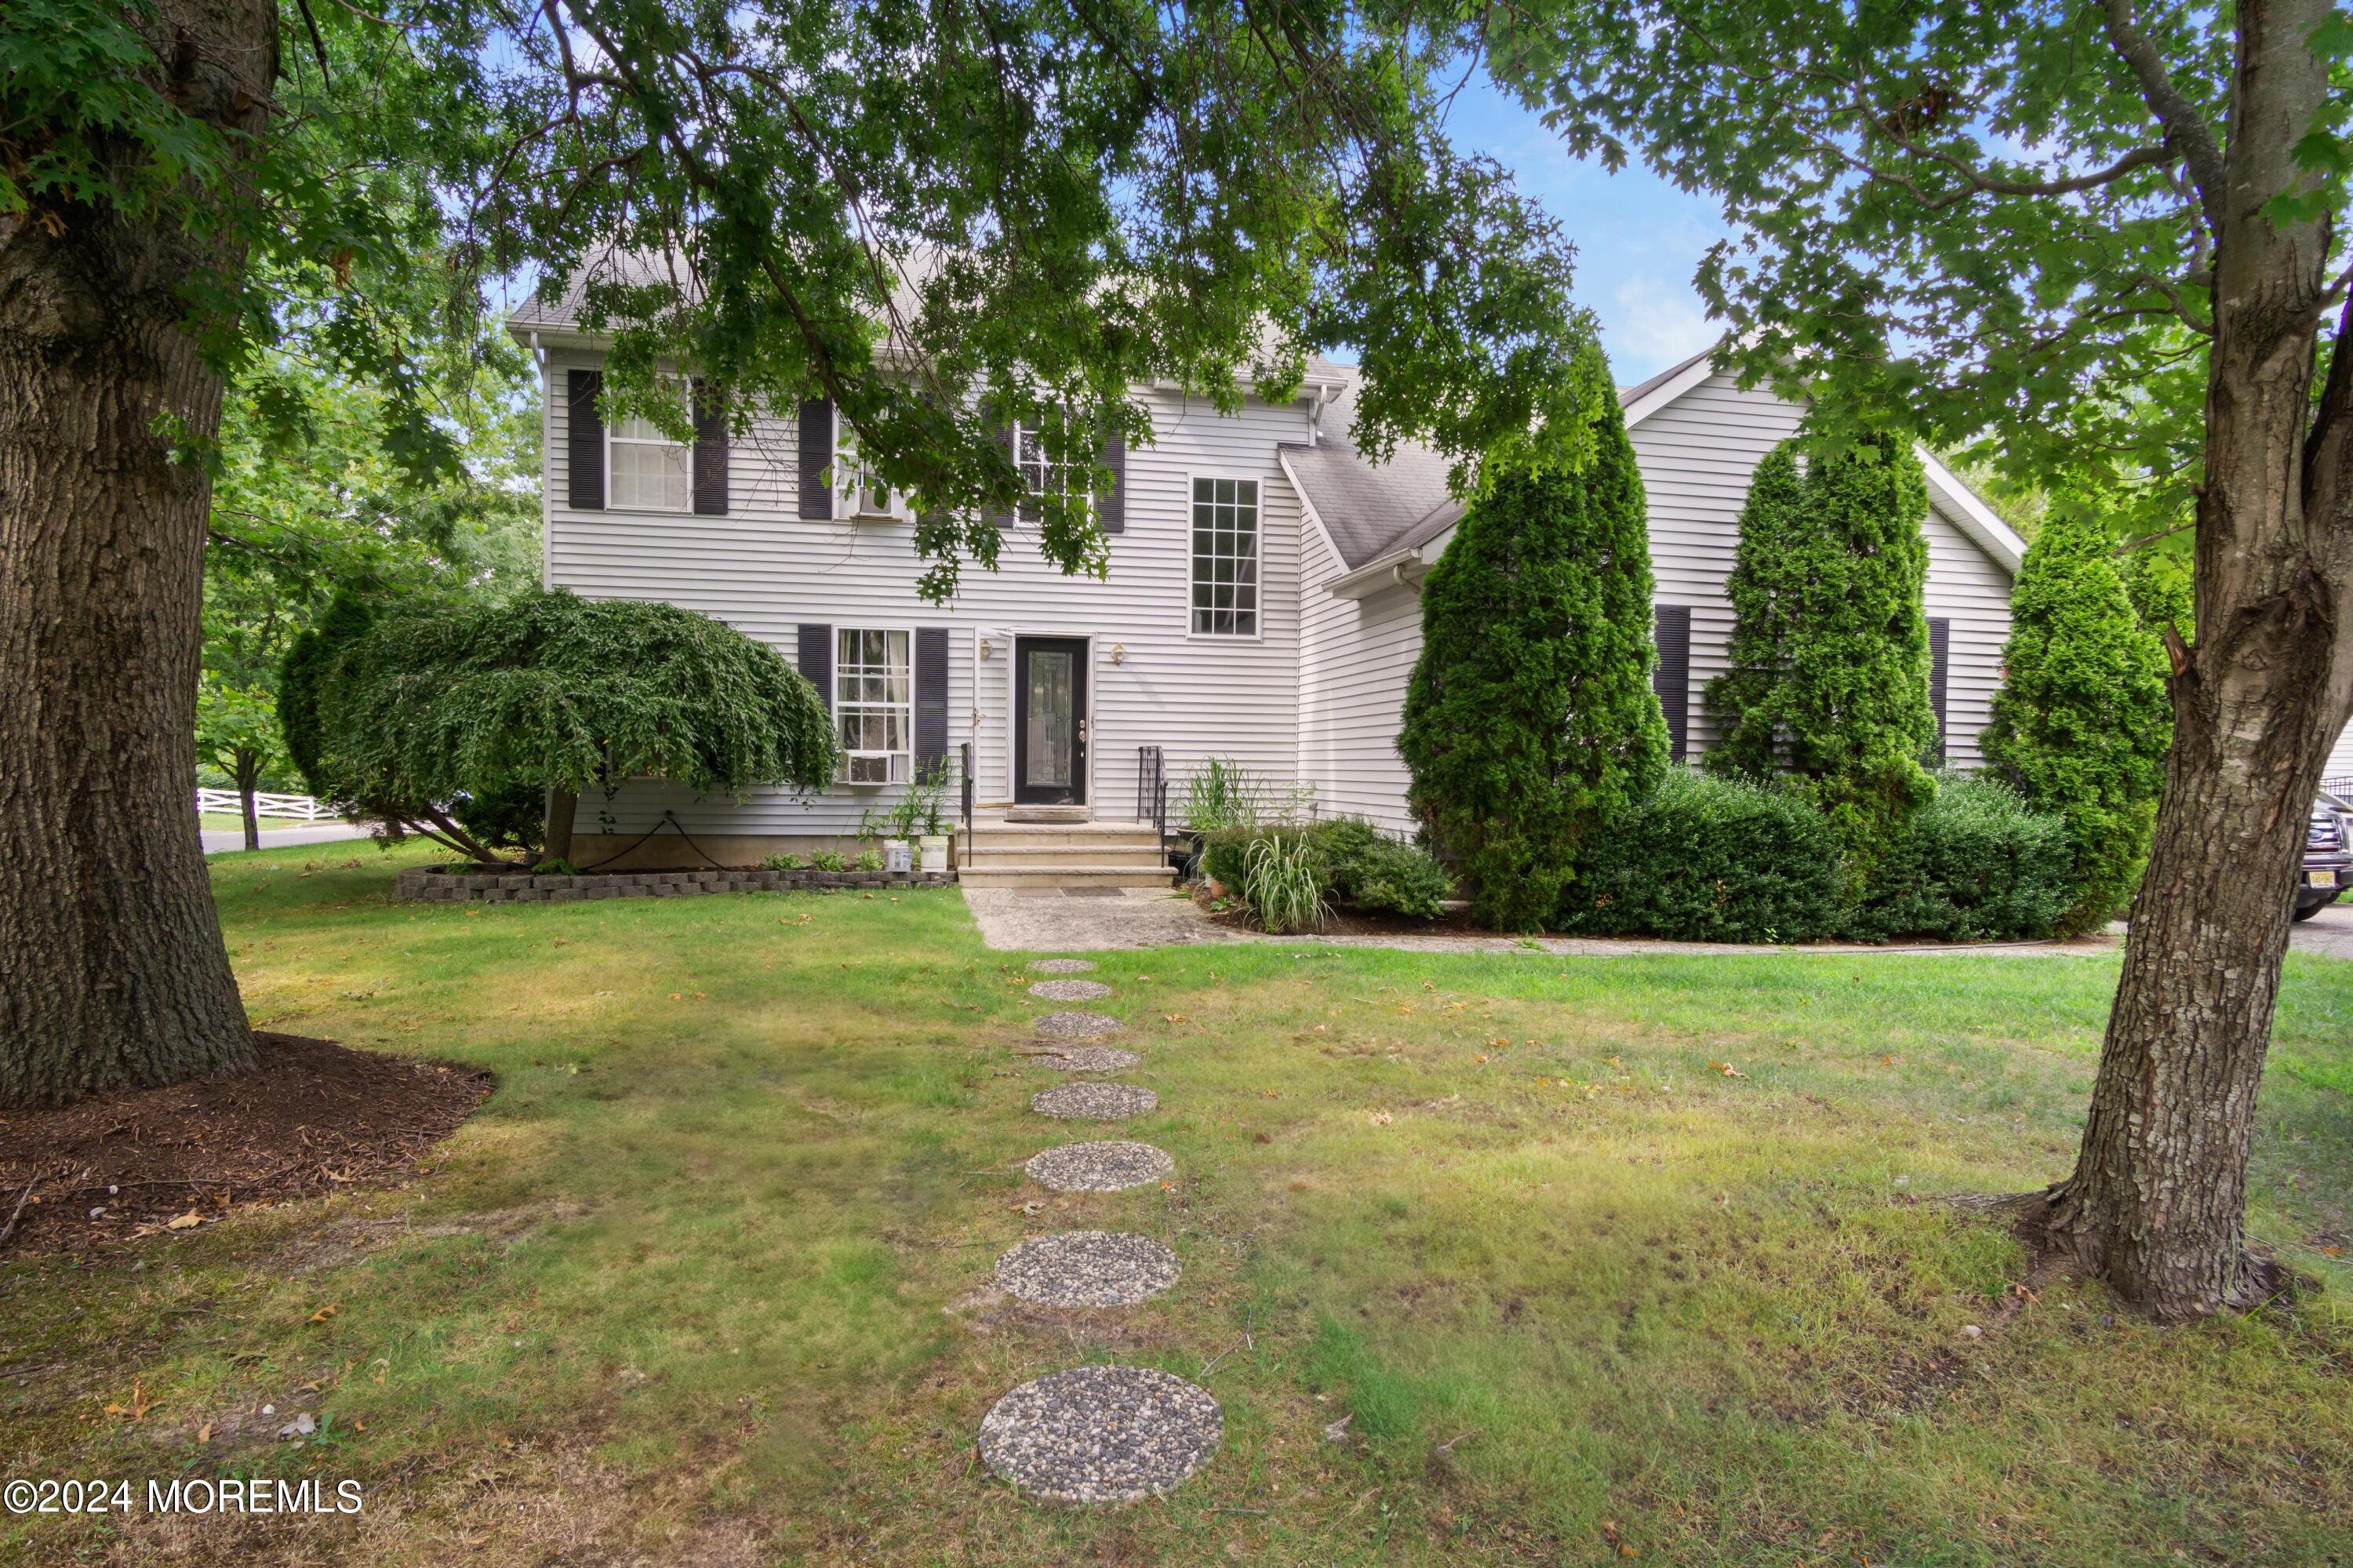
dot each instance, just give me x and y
(440, 885)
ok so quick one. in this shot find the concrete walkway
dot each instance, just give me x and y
(2327, 935)
(1048, 920)
(220, 840)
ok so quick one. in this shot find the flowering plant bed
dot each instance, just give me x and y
(460, 884)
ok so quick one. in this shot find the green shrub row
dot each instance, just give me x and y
(1707, 858)
(1346, 860)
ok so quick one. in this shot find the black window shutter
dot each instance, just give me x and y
(584, 447)
(930, 696)
(1940, 645)
(817, 660)
(1003, 435)
(1111, 506)
(710, 452)
(817, 460)
(1672, 681)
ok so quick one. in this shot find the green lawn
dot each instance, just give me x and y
(702, 1283)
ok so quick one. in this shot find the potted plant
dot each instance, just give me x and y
(898, 854)
(925, 799)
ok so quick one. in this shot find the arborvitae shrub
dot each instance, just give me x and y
(1713, 859)
(1766, 587)
(1829, 649)
(2081, 721)
(1530, 723)
(1976, 864)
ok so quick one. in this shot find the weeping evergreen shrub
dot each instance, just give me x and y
(2083, 720)
(1830, 647)
(1713, 859)
(432, 705)
(1530, 723)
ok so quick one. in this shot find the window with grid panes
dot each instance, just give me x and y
(873, 687)
(1225, 557)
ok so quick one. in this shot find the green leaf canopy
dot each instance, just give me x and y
(550, 691)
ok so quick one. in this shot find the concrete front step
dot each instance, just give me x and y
(1045, 855)
(992, 840)
(985, 875)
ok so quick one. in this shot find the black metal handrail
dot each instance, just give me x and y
(963, 774)
(1152, 792)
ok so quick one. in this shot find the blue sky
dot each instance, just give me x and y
(1638, 238)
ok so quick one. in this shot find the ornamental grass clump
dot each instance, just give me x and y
(1284, 883)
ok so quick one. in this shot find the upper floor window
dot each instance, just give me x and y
(1225, 557)
(1040, 474)
(873, 704)
(645, 470)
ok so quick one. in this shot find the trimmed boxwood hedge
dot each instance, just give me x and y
(1707, 858)
(1704, 858)
(1976, 864)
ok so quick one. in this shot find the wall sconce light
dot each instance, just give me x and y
(1119, 653)
(987, 649)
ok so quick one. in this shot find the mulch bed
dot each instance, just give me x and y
(314, 1117)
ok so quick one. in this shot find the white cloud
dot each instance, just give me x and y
(1651, 321)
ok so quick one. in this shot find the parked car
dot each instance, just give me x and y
(2326, 860)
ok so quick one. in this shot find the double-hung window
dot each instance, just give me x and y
(873, 693)
(1225, 557)
(863, 491)
(1040, 474)
(645, 470)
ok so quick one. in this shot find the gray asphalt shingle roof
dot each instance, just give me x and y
(1372, 511)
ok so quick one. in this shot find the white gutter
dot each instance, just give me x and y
(1971, 515)
(1398, 568)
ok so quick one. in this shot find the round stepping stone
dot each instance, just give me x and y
(1093, 1102)
(1098, 1167)
(1069, 990)
(1087, 1269)
(1075, 1025)
(1099, 1434)
(1061, 966)
(1089, 1059)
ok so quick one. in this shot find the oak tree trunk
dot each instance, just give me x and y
(562, 810)
(248, 774)
(111, 965)
(2158, 1198)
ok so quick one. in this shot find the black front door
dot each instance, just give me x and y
(1049, 721)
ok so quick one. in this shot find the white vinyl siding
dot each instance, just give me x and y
(1355, 658)
(764, 570)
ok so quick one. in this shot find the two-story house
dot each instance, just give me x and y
(1261, 606)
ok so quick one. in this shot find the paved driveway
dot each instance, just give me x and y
(2329, 933)
(219, 839)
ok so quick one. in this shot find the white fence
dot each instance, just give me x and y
(300, 808)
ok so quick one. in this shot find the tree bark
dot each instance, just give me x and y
(563, 810)
(2159, 1195)
(111, 966)
(248, 770)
